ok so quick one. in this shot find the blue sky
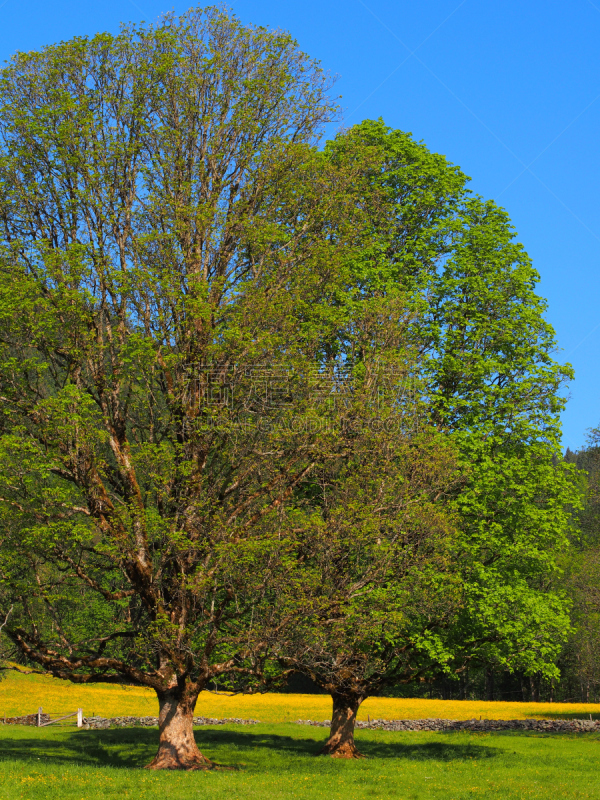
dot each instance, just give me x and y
(508, 90)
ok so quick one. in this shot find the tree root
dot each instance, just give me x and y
(341, 750)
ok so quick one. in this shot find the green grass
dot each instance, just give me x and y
(278, 761)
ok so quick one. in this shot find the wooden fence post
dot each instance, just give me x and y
(79, 718)
(39, 716)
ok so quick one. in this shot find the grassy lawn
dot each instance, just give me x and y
(278, 761)
(23, 694)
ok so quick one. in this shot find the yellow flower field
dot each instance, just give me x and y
(23, 694)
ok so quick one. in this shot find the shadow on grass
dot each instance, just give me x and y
(134, 747)
(428, 751)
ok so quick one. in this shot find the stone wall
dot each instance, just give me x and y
(542, 725)
(483, 725)
(148, 722)
(29, 719)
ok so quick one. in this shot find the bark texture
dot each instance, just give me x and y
(340, 743)
(177, 748)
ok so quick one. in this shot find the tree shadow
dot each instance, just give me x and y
(133, 748)
(423, 751)
(125, 748)
(439, 750)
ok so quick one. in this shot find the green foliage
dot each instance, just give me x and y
(163, 240)
(491, 384)
(580, 658)
(376, 579)
(175, 254)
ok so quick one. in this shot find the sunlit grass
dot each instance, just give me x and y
(278, 762)
(23, 694)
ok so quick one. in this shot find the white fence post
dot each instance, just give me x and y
(39, 716)
(79, 718)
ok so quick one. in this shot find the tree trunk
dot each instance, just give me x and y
(177, 747)
(464, 684)
(445, 689)
(489, 684)
(341, 734)
(525, 692)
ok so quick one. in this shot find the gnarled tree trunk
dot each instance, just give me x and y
(177, 748)
(341, 734)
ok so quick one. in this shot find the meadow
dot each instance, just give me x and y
(24, 694)
(276, 760)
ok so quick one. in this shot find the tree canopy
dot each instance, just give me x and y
(208, 466)
(493, 385)
(156, 257)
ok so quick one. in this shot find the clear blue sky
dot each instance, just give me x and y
(507, 89)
